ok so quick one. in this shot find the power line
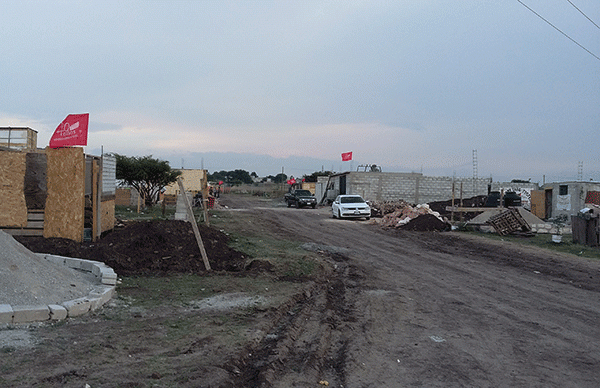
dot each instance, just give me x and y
(586, 16)
(557, 29)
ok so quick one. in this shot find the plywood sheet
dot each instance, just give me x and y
(64, 216)
(107, 215)
(13, 208)
(538, 203)
(194, 181)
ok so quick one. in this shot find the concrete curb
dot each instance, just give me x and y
(101, 293)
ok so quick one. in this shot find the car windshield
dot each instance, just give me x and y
(356, 199)
(303, 193)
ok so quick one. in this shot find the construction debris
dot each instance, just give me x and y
(401, 214)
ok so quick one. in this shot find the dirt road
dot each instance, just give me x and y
(387, 309)
(418, 309)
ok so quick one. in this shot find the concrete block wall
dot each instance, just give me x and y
(100, 294)
(412, 187)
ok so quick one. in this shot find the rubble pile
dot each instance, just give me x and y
(381, 208)
(403, 216)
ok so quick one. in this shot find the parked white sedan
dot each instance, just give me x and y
(350, 206)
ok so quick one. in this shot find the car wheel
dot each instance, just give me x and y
(298, 205)
(339, 214)
(289, 204)
(314, 206)
(367, 218)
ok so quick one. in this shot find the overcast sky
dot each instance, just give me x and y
(264, 85)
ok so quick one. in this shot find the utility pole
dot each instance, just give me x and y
(474, 172)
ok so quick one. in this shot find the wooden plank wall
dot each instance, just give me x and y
(13, 208)
(64, 216)
(538, 203)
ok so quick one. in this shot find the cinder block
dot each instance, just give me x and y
(86, 265)
(103, 293)
(77, 307)
(6, 313)
(24, 314)
(60, 260)
(57, 312)
(95, 302)
(109, 281)
(72, 263)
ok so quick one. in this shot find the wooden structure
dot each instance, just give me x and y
(18, 138)
(196, 181)
(56, 193)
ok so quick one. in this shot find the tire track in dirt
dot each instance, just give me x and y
(308, 343)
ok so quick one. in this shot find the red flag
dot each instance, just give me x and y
(72, 131)
(346, 156)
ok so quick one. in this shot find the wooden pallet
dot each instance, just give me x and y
(35, 225)
(509, 221)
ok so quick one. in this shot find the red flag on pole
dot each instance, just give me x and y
(72, 131)
(346, 156)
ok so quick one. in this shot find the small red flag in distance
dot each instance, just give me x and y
(346, 156)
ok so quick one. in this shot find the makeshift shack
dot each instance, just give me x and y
(561, 198)
(56, 193)
(195, 182)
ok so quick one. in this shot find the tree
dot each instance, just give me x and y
(313, 177)
(146, 174)
(233, 178)
(279, 178)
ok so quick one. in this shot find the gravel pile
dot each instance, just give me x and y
(28, 279)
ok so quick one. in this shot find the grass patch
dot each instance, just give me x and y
(182, 290)
(287, 256)
(542, 240)
(151, 213)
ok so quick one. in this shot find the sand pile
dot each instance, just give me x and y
(28, 279)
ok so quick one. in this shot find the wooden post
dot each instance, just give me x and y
(205, 211)
(94, 198)
(461, 201)
(452, 214)
(99, 169)
(191, 219)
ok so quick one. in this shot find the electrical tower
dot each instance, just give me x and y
(580, 171)
(474, 172)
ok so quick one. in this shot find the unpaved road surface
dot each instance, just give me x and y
(414, 309)
(389, 308)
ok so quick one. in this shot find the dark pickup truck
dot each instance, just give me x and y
(300, 198)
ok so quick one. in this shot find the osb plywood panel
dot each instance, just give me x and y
(64, 214)
(13, 208)
(123, 197)
(193, 180)
(107, 216)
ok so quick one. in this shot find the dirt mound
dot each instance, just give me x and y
(426, 223)
(149, 247)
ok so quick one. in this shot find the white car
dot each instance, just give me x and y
(350, 206)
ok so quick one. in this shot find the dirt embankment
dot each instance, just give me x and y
(148, 247)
